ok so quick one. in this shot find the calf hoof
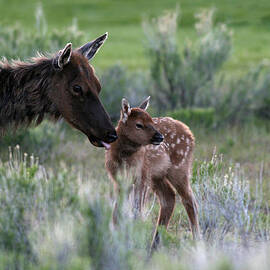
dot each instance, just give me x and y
(155, 244)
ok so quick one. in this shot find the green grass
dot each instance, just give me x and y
(249, 20)
(57, 215)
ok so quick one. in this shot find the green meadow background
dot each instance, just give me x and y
(249, 20)
(55, 197)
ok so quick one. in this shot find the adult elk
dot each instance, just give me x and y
(162, 162)
(62, 86)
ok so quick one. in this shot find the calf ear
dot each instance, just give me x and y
(63, 57)
(125, 112)
(144, 105)
(91, 48)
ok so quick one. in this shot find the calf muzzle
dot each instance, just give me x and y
(157, 138)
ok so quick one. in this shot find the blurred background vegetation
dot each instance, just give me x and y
(249, 20)
(205, 63)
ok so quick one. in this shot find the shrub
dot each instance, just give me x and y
(200, 117)
(16, 42)
(114, 88)
(39, 140)
(243, 98)
(27, 196)
(181, 79)
(227, 208)
(118, 83)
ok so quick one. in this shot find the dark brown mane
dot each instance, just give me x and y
(23, 92)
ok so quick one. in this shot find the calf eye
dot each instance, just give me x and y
(77, 89)
(139, 126)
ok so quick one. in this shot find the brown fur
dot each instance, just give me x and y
(41, 88)
(165, 167)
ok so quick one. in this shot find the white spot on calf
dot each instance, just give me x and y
(173, 145)
(180, 152)
(178, 141)
(187, 140)
(172, 136)
(182, 137)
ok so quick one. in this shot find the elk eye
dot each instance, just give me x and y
(77, 89)
(139, 126)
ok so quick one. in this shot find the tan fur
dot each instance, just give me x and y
(165, 167)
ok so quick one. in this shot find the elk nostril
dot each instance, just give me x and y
(111, 137)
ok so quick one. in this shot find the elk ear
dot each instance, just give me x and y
(144, 105)
(63, 57)
(125, 110)
(91, 48)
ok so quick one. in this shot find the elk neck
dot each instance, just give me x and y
(24, 92)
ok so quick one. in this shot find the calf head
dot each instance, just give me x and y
(137, 125)
(75, 92)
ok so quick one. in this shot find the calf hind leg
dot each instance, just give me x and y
(181, 183)
(166, 196)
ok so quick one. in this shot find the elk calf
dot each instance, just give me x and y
(162, 162)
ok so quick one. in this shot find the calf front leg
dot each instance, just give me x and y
(116, 196)
(138, 196)
(166, 197)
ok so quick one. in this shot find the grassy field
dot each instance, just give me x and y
(249, 20)
(56, 212)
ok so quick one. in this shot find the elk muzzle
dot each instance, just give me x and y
(109, 138)
(157, 138)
